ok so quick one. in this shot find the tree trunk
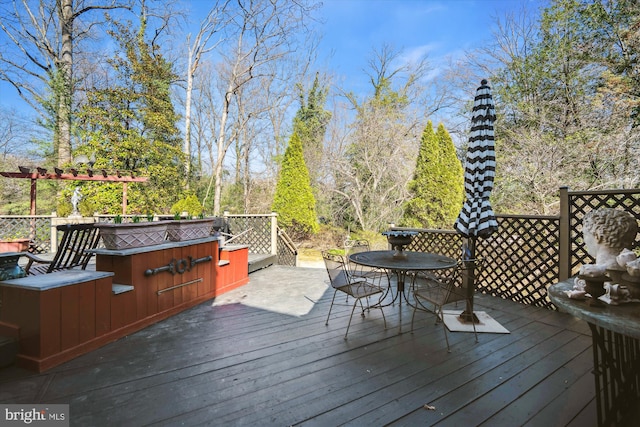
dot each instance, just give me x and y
(222, 151)
(187, 118)
(66, 82)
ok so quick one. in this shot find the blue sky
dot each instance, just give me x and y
(440, 28)
(353, 28)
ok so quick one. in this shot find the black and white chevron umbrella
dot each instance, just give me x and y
(476, 218)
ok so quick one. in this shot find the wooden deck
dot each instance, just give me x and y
(263, 356)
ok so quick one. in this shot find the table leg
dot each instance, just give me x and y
(398, 295)
(401, 278)
(616, 368)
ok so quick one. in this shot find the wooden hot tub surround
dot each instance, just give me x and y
(59, 316)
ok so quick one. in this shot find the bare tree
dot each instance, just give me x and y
(555, 125)
(209, 26)
(263, 32)
(38, 57)
(15, 134)
(373, 158)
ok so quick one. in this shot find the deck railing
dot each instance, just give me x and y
(259, 232)
(522, 259)
(263, 236)
(530, 253)
(519, 261)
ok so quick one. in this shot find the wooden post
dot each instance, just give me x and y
(54, 233)
(564, 241)
(33, 196)
(274, 233)
(469, 278)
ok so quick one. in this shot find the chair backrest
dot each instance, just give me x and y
(460, 279)
(355, 246)
(441, 289)
(335, 265)
(72, 249)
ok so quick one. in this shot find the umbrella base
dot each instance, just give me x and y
(467, 317)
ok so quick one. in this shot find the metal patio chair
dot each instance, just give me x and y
(439, 289)
(358, 287)
(357, 246)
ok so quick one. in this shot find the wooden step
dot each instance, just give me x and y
(117, 288)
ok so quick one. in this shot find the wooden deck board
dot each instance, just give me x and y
(241, 365)
(455, 374)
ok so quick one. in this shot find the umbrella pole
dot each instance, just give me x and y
(469, 277)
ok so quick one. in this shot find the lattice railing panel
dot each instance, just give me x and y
(519, 261)
(445, 242)
(580, 203)
(36, 228)
(258, 232)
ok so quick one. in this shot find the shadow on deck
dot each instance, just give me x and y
(262, 355)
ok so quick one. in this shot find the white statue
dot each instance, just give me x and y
(607, 232)
(75, 199)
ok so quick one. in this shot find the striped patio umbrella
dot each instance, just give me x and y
(476, 218)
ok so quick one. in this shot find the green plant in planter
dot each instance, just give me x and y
(135, 219)
(149, 217)
(177, 216)
(117, 219)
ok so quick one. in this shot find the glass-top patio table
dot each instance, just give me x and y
(401, 266)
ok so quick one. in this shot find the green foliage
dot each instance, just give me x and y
(437, 187)
(232, 198)
(293, 199)
(310, 124)
(613, 40)
(189, 204)
(567, 99)
(64, 207)
(130, 126)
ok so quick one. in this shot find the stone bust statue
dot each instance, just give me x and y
(606, 233)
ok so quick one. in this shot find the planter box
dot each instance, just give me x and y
(14, 245)
(189, 229)
(132, 235)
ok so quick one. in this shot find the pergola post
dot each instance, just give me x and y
(33, 196)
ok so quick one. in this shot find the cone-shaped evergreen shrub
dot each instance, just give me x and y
(293, 200)
(437, 187)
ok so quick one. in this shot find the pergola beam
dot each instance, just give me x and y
(78, 177)
(103, 177)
